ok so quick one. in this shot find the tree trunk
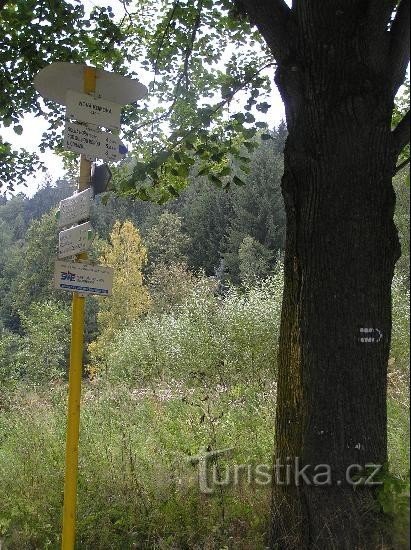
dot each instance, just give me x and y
(341, 248)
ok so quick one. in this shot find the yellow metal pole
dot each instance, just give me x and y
(75, 373)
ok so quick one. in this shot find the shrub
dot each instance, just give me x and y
(222, 340)
(44, 349)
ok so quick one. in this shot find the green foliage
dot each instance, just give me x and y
(206, 211)
(402, 105)
(402, 221)
(198, 376)
(166, 241)
(27, 257)
(136, 484)
(197, 80)
(34, 280)
(169, 285)
(227, 341)
(13, 214)
(43, 354)
(393, 497)
(258, 212)
(400, 344)
(66, 35)
(255, 260)
(10, 345)
(15, 165)
(130, 299)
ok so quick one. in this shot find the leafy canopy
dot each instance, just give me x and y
(35, 33)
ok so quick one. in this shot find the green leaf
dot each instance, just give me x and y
(245, 169)
(238, 181)
(217, 157)
(266, 137)
(182, 170)
(215, 180)
(263, 107)
(140, 170)
(18, 129)
(248, 132)
(224, 172)
(250, 145)
(239, 117)
(205, 170)
(172, 190)
(162, 157)
(143, 195)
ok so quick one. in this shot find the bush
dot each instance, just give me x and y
(400, 341)
(221, 340)
(44, 350)
(10, 344)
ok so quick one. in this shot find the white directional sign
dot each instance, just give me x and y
(53, 81)
(75, 240)
(83, 278)
(100, 112)
(92, 143)
(76, 208)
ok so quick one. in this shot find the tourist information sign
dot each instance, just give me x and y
(75, 208)
(100, 112)
(94, 98)
(92, 143)
(75, 240)
(83, 277)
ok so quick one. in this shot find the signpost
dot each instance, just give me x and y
(92, 143)
(94, 97)
(75, 240)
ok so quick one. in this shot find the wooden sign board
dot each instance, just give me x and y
(53, 81)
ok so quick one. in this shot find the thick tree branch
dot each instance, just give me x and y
(401, 134)
(400, 44)
(272, 18)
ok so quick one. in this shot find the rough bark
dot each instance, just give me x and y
(340, 254)
(341, 249)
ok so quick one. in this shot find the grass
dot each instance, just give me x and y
(137, 488)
